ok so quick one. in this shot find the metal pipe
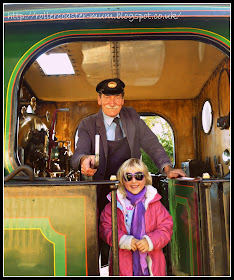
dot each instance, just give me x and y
(97, 147)
(210, 232)
(25, 168)
(47, 181)
(115, 245)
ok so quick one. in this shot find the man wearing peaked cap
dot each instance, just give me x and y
(133, 134)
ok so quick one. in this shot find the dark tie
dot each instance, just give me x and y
(118, 130)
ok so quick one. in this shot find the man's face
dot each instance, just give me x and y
(111, 104)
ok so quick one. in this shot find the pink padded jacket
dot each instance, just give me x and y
(158, 228)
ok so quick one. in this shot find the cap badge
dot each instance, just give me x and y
(112, 84)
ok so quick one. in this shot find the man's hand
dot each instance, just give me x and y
(174, 173)
(87, 165)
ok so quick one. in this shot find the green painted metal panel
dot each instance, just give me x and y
(50, 231)
(185, 242)
(20, 259)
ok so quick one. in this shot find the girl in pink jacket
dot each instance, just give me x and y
(144, 224)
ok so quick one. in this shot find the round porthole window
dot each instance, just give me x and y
(207, 117)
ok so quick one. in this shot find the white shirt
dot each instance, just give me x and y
(110, 126)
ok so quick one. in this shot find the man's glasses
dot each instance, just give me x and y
(138, 176)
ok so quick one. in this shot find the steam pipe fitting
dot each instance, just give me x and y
(24, 168)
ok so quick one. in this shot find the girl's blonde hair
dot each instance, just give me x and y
(132, 163)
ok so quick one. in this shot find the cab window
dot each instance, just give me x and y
(162, 129)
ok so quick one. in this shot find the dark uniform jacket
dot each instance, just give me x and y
(138, 134)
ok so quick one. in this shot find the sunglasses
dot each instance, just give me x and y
(138, 176)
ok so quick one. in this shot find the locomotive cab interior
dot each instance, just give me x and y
(170, 78)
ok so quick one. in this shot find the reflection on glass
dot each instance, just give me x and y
(206, 117)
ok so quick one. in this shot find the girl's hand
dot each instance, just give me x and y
(133, 244)
(142, 245)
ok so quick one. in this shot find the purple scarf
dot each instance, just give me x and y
(138, 230)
